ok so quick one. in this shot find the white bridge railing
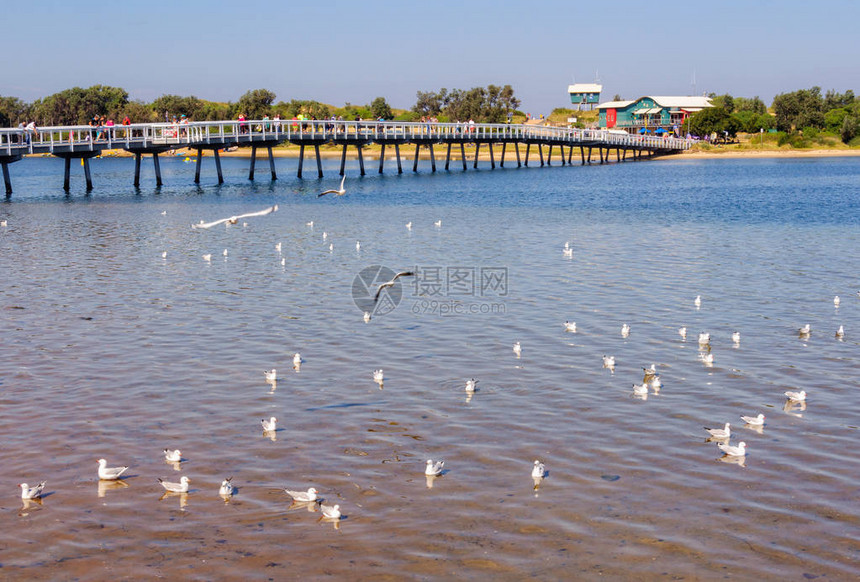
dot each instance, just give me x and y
(78, 138)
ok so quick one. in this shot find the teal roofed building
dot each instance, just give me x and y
(650, 114)
(585, 94)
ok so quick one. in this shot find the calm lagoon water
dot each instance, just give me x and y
(109, 350)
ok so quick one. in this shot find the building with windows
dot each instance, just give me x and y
(585, 94)
(650, 114)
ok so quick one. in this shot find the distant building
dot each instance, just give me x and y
(650, 114)
(585, 94)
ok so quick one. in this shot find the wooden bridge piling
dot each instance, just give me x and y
(7, 179)
(381, 157)
(477, 151)
(360, 158)
(343, 159)
(492, 159)
(319, 162)
(302, 159)
(528, 149)
(155, 161)
(448, 156)
(463, 154)
(502, 160)
(397, 153)
(540, 151)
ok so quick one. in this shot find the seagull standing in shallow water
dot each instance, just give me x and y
(720, 433)
(697, 301)
(570, 326)
(271, 375)
(796, 396)
(840, 333)
(297, 359)
(704, 339)
(110, 473)
(518, 350)
(682, 331)
(303, 496)
(339, 192)
(330, 511)
(172, 456)
(32, 492)
(270, 425)
(625, 330)
(181, 487)
(836, 301)
(434, 468)
(471, 385)
(539, 470)
(805, 330)
(754, 420)
(734, 451)
(226, 489)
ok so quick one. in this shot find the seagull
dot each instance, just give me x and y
(538, 471)
(625, 330)
(682, 331)
(697, 301)
(704, 339)
(377, 376)
(325, 235)
(181, 487)
(796, 396)
(331, 247)
(172, 456)
(470, 385)
(271, 375)
(366, 317)
(207, 257)
(389, 283)
(656, 384)
(734, 451)
(339, 192)
(434, 468)
(608, 361)
(570, 326)
(225, 252)
(110, 473)
(804, 331)
(640, 389)
(568, 252)
(3, 223)
(330, 511)
(754, 420)
(303, 496)
(278, 247)
(736, 337)
(297, 359)
(720, 433)
(840, 333)
(409, 225)
(650, 372)
(269, 425)
(310, 224)
(836, 301)
(518, 350)
(226, 489)
(32, 492)
(357, 246)
(283, 262)
(163, 254)
(235, 219)
(438, 223)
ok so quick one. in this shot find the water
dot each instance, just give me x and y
(108, 350)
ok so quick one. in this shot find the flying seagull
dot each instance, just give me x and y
(339, 192)
(235, 219)
(390, 283)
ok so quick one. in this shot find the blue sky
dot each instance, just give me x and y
(337, 51)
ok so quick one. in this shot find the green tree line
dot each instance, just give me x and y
(799, 115)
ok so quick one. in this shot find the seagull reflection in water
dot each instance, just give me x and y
(794, 408)
(30, 504)
(105, 486)
(734, 460)
(183, 498)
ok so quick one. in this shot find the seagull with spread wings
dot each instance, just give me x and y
(235, 219)
(339, 192)
(388, 284)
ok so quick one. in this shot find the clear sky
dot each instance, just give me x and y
(338, 51)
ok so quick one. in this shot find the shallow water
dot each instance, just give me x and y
(108, 350)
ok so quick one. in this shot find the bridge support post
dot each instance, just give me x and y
(517, 147)
(218, 166)
(549, 156)
(381, 158)
(569, 154)
(582, 154)
(600, 153)
(68, 165)
(528, 149)
(561, 148)
(319, 161)
(360, 159)
(624, 157)
(432, 158)
(477, 150)
(540, 151)
(301, 160)
(342, 159)
(197, 168)
(253, 162)
(448, 157)
(272, 164)
(87, 174)
(463, 154)
(589, 154)
(7, 180)
(155, 162)
(415, 163)
(502, 161)
(397, 153)
(617, 154)
(492, 159)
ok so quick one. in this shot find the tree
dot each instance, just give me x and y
(726, 101)
(850, 128)
(380, 109)
(803, 108)
(430, 104)
(617, 97)
(713, 120)
(168, 106)
(755, 105)
(255, 103)
(12, 111)
(834, 100)
(78, 106)
(491, 104)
